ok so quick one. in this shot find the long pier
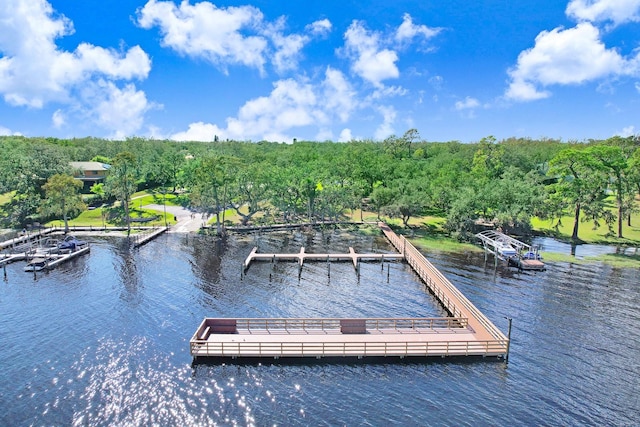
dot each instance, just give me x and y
(466, 333)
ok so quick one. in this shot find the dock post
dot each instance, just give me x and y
(506, 357)
(388, 269)
(4, 268)
(382, 262)
(328, 267)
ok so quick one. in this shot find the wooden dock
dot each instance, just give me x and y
(303, 256)
(53, 260)
(373, 337)
(466, 333)
(141, 239)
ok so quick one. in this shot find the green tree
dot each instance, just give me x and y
(62, 195)
(612, 161)
(121, 182)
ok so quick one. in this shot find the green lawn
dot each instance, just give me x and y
(93, 218)
(142, 198)
(588, 234)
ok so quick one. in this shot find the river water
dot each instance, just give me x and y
(104, 340)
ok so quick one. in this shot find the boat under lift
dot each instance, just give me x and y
(513, 251)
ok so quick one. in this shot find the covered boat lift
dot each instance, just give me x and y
(513, 251)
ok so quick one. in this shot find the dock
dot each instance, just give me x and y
(467, 332)
(372, 337)
(53, 260)
(512, 251)
(142, 238)
(302, 256)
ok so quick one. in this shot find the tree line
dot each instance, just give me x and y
(504, 183)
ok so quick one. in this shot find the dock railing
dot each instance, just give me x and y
(321, 325)
(342, 349)
(437, 282)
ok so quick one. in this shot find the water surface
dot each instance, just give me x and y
(104, 340)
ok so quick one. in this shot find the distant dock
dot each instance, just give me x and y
(302, 256)
(466, 333)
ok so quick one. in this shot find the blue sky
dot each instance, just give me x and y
(330, 70)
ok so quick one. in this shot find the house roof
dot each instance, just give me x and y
(90, 166)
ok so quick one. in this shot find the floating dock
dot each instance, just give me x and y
(513, 251)
(466, 333)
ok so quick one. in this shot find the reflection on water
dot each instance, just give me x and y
(103, 340)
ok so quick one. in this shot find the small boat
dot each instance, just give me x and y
(506, 250)
(38, 264)
(532, 255)
(71, 243)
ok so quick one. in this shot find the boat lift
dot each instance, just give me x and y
(513, 251)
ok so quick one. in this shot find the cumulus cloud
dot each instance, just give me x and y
(345, 135)
(561, 57)
(321, 27)
(6, 131)
(292, 104)
(58, 119)
(388, 119)
(467, 104)
(627, 131)
(227, 36)
(407, 31)
(369, 60)
(119, 109)
(614, 11)
(34, 71)
(198, 132)
(373, 54)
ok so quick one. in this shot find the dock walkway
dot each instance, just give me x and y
(466, 333)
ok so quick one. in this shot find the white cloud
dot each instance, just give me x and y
(637, 86)
(198, 132)
(6, 131)
(338, 95)
(345, 135)
(373, 54)
(469, 103)
(369, 60)
(288, 47)
(34, 71)
(388, 119)
(120, 110)
(227, 36)
(407, 31)
(616, 11)
(204, 30)
(571, 56)
(319, 28)
(292, 104)
(627, 131)
(388, 92)
(58, 119)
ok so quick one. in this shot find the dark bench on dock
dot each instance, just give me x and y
(353, 326)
